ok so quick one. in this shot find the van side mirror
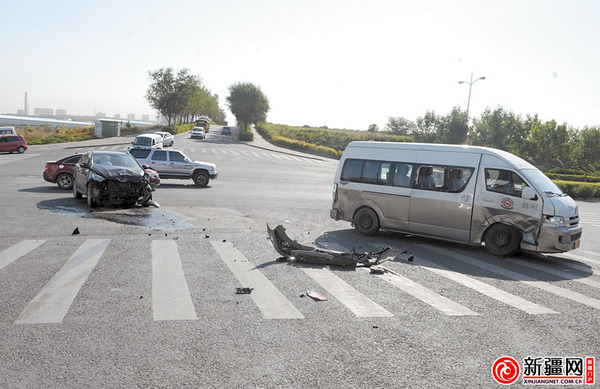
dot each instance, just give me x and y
(529, 194)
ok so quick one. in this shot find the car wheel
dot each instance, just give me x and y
(64, 181)
(90, 200)
(502, 240)
(21, 149)
(201, 179)
(366, 221)
(76, 194)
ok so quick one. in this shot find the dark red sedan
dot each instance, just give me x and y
(61, 172)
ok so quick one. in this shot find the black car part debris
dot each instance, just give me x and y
(243, 290)
(295, 252)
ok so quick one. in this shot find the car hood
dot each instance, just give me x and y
(119, 173)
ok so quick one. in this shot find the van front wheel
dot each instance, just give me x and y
(502, 240)
(366, 222)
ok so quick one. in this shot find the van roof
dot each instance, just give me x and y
(511, 158)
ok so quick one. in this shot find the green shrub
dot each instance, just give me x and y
(571, 177)
(579, 190)
(245, 136)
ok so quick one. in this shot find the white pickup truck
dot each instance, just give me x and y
(175, 164)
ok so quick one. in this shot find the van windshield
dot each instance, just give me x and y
(143, 141)
(542, 182)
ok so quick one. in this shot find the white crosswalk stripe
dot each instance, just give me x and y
(355, 301)
(546, 286)
(17, 251)
(272, 303)
(171, 298)
(53, 301)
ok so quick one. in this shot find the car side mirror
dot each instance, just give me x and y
(187, 160)
(144, 166)
(529, 194)
(84, 165)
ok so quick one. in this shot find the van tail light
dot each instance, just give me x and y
(334, 193)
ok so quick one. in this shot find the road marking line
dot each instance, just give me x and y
(245, 153)
(561, 273)
(271, 302)
(255, 154)
(276, 156)
(171, 298)
(485, 289)
(266, 155)
(355, 301)
(224, 151)
(286, 157)
(546, 286)
(54, 300)
(437, 301)
(233, 152)
(214, 151)
(15, 252)
(580, 258)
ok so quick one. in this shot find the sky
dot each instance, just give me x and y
(335, 63)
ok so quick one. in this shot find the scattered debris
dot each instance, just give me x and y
(295, 252)
(302, 295)
(206, 236)
(224, 240)
(243, 290)
(377, 269)
(375, 326)
(75, 231)
(316, 295)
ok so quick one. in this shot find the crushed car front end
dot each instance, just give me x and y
(119, 186)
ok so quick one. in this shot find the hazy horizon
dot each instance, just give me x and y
(338, 64)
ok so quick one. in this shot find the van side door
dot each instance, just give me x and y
(441, 203)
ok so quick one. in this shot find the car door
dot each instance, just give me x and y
(159, 162)
(81, 172)
(3, 143)
(179, 164)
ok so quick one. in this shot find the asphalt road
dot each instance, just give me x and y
(146, 297)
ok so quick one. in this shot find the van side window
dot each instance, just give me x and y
(352, 170)
(443, 178)
(504, 181)
(402, 173)
(159, 155)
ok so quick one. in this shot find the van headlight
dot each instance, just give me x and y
(555, 221)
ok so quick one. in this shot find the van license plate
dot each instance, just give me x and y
(576, 244)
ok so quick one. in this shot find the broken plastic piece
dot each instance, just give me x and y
(377, 270)
(75, 231)
(243, 290)
(295, 252)
(316, 295)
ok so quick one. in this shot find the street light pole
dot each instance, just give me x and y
(470, 86)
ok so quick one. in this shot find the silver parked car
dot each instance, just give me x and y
(175, 164)
(168, 139)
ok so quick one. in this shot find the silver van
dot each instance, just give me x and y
(465, 194)
(147, 141)
(7, 131)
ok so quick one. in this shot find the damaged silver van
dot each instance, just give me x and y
(466, 194)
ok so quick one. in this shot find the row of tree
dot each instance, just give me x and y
(180, 96)
(546, 144)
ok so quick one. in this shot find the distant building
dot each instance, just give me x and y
(117, 116)
(43, 112)
(100, 114)
(61, 112)
(130, 116)
(20, 112)
(145, 118)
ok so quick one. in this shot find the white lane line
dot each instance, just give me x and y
(171, 298)
(561, 273)
(276, 156)
(233, 152)
(355, 301)
(224, 151)
(17, 251)
(255, 154)
(267, 155)
(245, 153)
(546, 286)
(192, 150)
(437, 301)
(214, 151)
(286, 157)
(16, 157)
(485, 289)
(54, 300)
(576, 257)
(271, 302)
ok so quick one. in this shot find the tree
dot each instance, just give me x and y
(399, 126)
(247, 103)
(452, 128)
(160, 94)
(548, 143)
(587, 149)
(425, 128)
(499, 129)
(373, 128)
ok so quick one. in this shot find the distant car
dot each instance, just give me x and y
(198, 132)
(175, 164)
(12, 143)
(111, 177)
(226, 131)
(168, 139)
(61, 172)
(147, 141)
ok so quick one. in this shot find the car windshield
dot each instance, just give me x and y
(124, 161)
(542, 183)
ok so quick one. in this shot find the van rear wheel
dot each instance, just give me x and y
(502, 240)
(366, 221)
